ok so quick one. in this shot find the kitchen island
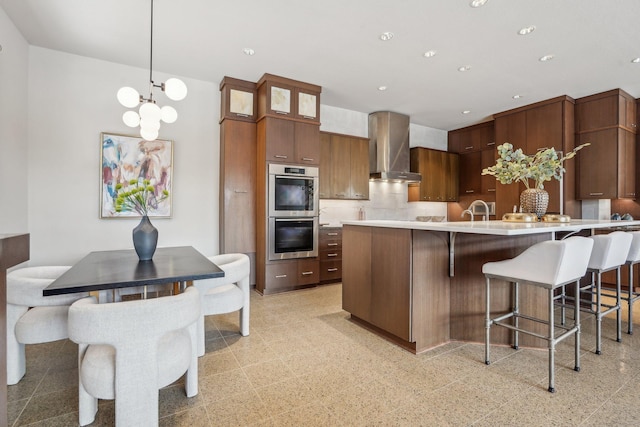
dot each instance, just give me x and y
(420, 284)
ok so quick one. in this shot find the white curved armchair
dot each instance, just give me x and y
(31, 317)
(129, 350)
(225, 294)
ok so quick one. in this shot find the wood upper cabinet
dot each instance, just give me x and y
(607, 168)
(439, 170)
(471, 173)
(472, 138)
(546, 124)
(344, 167)
(288, 141)
(487, 182)
(279, 96)
(614, 108)
(239, 100)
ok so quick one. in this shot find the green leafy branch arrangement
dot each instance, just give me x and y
(139, 196)
(513, 166)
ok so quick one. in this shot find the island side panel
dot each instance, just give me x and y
(468, 289)
(356, 271)
(391, 281)
(431, 287)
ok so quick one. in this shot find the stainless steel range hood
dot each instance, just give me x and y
(389, 147)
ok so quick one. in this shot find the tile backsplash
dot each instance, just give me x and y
(386, 201)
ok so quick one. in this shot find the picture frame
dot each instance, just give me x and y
(123, 158)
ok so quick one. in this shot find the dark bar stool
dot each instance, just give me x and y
(549, 265)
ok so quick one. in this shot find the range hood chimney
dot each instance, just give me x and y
(389, 148)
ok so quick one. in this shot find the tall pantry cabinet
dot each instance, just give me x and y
(237, 206)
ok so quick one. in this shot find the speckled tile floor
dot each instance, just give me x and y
(306, 364)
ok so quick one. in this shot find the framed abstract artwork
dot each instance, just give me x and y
(125, 158)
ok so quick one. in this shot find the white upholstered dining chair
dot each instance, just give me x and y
(128, 350)
(225, 294)
(31, 317)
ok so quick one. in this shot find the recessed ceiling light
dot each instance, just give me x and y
(517, 96)
(546, 58)
(635, 60)
(430, 53)
(466, 111)
(386, 36)
(477, 3)
(381, 88)
(248, 51)
(527, 30)
(464, 68)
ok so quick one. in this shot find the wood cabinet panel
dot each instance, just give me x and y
(330, 271)
(306, 144)
(345, 159)
(307, 105)
(238, 100)
(510, 128)
(470, 173)
(439, 170)
(487, 182)
(330, 248)
(280, 136)
(472, 138)
(238, 186)
(308, 272)
(606, 109)
(598, 165)
(280, 276)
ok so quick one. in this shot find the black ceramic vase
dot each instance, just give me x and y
(145, 239)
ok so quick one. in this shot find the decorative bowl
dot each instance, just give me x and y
(520, 217)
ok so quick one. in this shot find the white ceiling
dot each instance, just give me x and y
(335, 44)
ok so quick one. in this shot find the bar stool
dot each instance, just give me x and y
(631, 295)
(609, 253)
(549, 265)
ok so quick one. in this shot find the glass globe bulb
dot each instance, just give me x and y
(148, 135)
(150, 124)
(131, 119)
(150, 111)
(175, 89)
(128, 96)
(169, 114)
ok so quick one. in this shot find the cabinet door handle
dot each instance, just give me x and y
(491, 189)
(308, 117)
(331, 255)
(335, 244)
(340, 194)
(281, 112)
(281, 276)
(631, 194)
(359, 195)
(280, 156)
(596, 194)
(332, 234)
(331, 270)
(469, 147)
(490, 143)
(307, 273)
(240, 191)
(242, 115)
(307, 159)
(469, 191)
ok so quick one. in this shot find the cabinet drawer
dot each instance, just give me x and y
(281, 275)
(308, 272)
(330, 271)
(329, 245)
(330, 233)
(331, 255)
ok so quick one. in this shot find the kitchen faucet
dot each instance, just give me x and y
(467, 211)
(485, 216)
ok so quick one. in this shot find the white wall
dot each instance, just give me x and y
(72, 99)
(14, 63)
(386, 200)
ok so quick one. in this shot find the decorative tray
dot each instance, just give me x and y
(520, 217)
(555, 218)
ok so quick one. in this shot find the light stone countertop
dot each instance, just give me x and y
(497, 228)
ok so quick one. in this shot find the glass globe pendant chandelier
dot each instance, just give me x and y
(149, 114)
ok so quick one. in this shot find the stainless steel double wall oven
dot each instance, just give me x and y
(293, 211)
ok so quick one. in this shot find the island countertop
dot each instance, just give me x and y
(497, 228)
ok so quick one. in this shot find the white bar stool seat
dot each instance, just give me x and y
(610, 252)
(549, 265)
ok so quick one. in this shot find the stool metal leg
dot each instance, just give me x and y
(552, 344)
(516, 311)
(487, 323)
(563, 301)
(598, 314)
(577, 325)
(630, 301)
(618, 314)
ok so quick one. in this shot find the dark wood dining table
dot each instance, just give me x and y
(110, 270)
